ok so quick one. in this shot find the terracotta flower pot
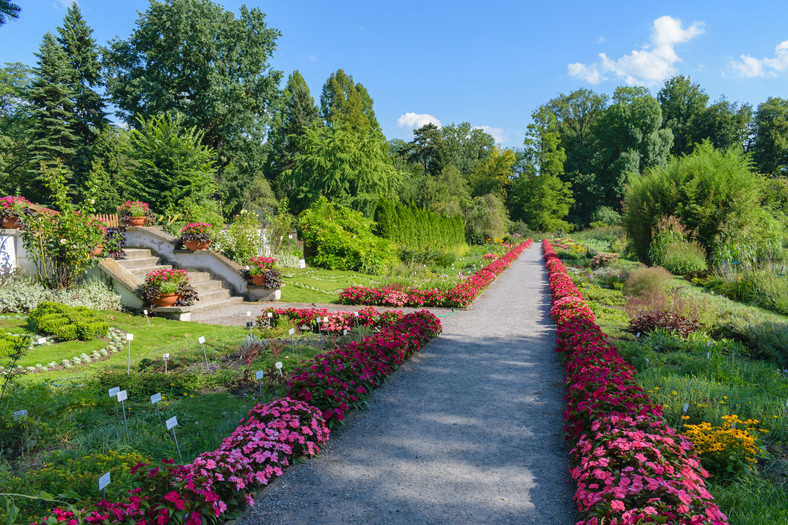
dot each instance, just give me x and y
(97, 251)
(257, 280)
(12, 223)
(197, 245)
(167, 299)
(137, 221)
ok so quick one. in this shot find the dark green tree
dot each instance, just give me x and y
(8, 10)
(724, 124)
(629, 138)
(15, 122)
(343, 103)
(466, 146)
(75, 37)
(52, 135)
(427, 149)
(195, 59)
(682, 103)
(770, 147)
(297, 113)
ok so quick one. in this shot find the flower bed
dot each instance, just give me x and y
(268, 440)
(630, 466)
(461, 295)
(331, 322)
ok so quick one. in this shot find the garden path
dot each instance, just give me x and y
(468, 431)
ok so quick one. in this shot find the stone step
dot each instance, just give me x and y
(206, 286)
(199, 277)
(139, 262)
(133, 253)
(213, 295)
(218, 304)
(140, 272)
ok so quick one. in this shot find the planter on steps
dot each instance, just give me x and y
(197, 245)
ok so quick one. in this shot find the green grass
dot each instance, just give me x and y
(315, 285)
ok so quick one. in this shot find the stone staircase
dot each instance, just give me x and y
(211, 292)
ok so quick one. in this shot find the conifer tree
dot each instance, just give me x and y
(348, 105)
(53, 136)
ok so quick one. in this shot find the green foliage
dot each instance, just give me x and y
(770, 149)
(196, 60)
(682, 104)
(486, 218)
(713, 194)
(8, 11)
(171, 165)
(20, 295)
(495, 174)
(350, 169)
(342, 239)
(15, 121)
(241, 239)
(542, 202)
(761, 287)
(417, 228)
(646, 280)
(684, 258)
(67, 322)
(345, 104)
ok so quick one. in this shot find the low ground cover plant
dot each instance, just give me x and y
(67, 322)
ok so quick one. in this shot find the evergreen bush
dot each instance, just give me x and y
(67, 322)
(417, 228)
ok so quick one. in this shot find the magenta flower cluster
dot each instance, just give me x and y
(630, 466)
(341, 379)
(461, 295)
(330, 322)
(196, 228)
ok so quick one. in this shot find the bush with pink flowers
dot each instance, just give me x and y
(630, 466)
(330, 322)
(461, 295)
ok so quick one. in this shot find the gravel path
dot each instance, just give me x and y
(468, 431)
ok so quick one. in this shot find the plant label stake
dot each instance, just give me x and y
(647, 362)
(103, 482)
(166, 358)
(113, 393)
(129, 338)
(319, 331)
(686, 408)
(249, 325)
(301, 263)
(122, 396)
(782, 437)
(19, 414)
(279, 367)
(270, 315)
(146, 317)
(292, 341)
(637, 336)
(202, 342)
(708, 356)
(154, 399)
(344, 332)
(171, 424)
(42, 341)
(358, 328)
(259, 375)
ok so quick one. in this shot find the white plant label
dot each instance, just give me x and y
(114, 391)
(259, 375)
(302, 263)
(647, 361)
(166, 357)
(172, 422)
(20, 413)
(155, 398)
(201, 340)
(686, 407)
(103, 481)
(290, 236)
(291, 331)
(708, 356)
(42, 341)
(270, 315)
(318, 318)
(637, 336)
(344, 332)
(123, 395)
(249, 324)
(130, 337)
(279, 365)
(145, 312)
(355, 314)
(248, 314)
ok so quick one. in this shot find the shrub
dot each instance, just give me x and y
(684, 258)
(241, 240)
(726, 450)
(341, 239)
(760, 287)
(654, 311)
(644, 280)
(486, 218)
(417, 228)
(67, 322)
(603, 259)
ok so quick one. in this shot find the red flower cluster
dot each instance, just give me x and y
(334, 322)
(341, 379)
(461, 295)
(630, 466)
(270, 439)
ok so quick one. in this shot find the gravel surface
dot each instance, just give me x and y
(468, 431)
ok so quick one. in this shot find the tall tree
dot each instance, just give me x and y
(84, 77)
(466, 146)
(192, 58)
(15, 122)
(683, 104)
(629, 138)
(494, 175)
(575, 115)
(724, 124)
(8, 10)
(298, 112)
(52, 136)
(770, 147)
(427, 149)
(347, 104)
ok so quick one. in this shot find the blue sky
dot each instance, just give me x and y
(490, 65)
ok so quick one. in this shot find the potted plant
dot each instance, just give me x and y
(12, 209)
(196, 236)
(258, 267)
(100, 246)
(168, 288)
(134, 213)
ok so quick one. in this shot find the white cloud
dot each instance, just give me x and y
(312, 58)
(497, 133)
(416, 120)
(64, 3)
(600, 40)
(750, 67)
(650, 65)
